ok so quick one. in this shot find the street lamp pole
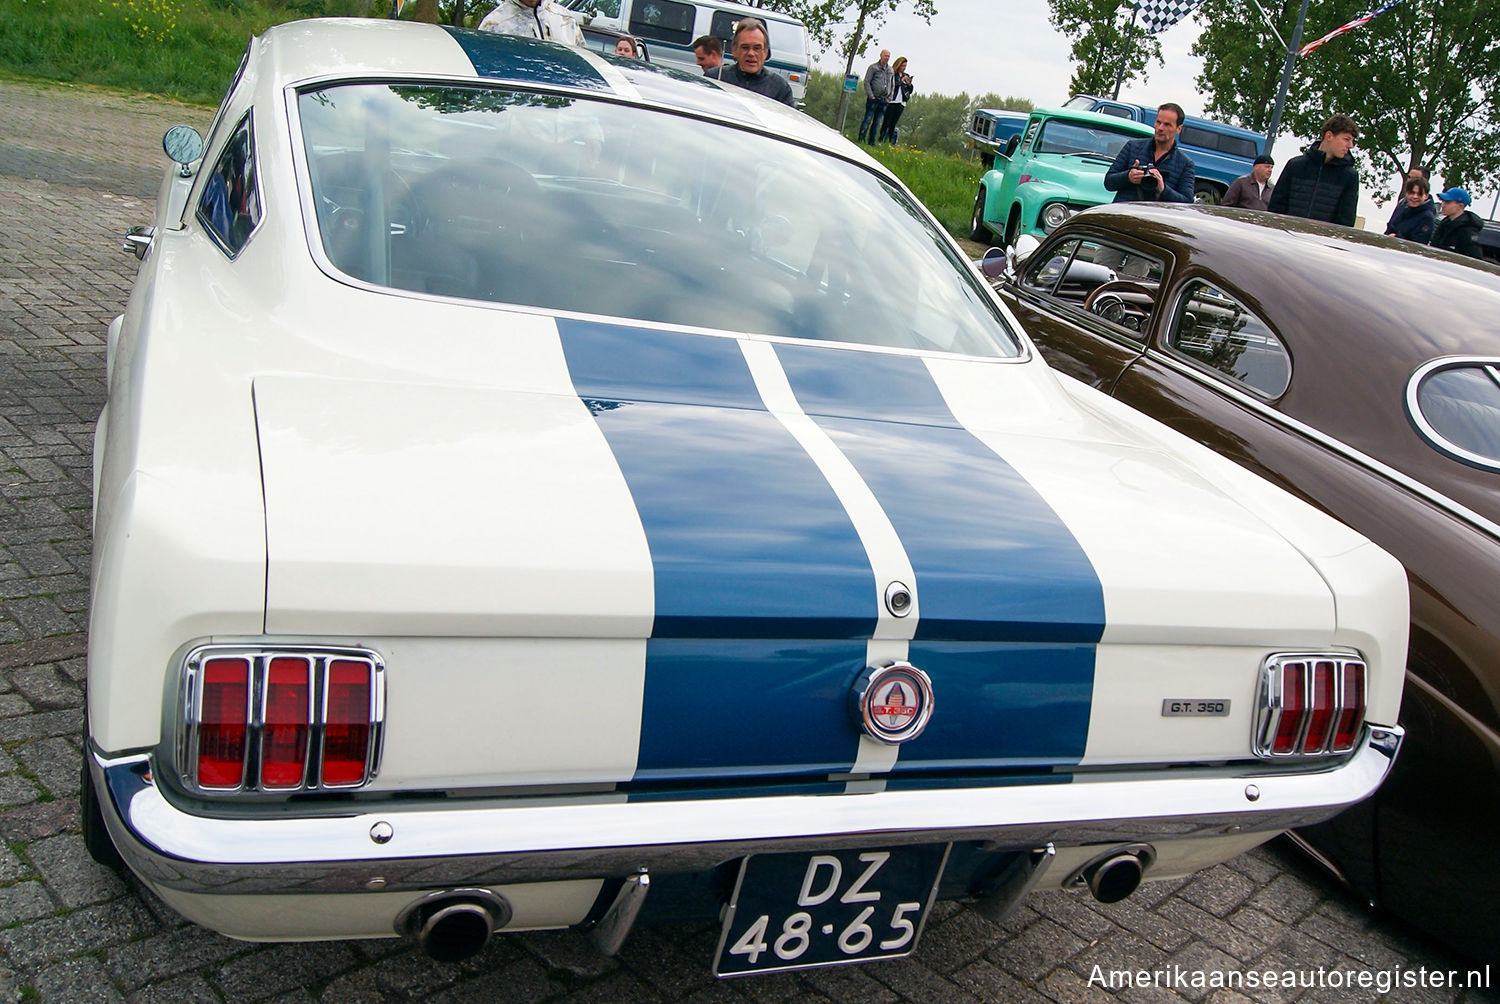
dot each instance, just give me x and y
(1286, 78)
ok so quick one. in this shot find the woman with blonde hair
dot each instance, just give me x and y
(895, 102)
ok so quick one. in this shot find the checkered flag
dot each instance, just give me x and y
(1159, 15)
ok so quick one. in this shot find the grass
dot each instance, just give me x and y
(182, 49)
(946, 184)
(188, 50)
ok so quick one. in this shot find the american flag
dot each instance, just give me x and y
(1159, 15)
(1358, 22)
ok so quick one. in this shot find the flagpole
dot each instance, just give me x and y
(1286, 79)
(1129, 35)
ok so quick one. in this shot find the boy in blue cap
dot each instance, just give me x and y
(1457, 227)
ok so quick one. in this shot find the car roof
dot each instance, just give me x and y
(330, 48)
(1095, 119)
(1359, 313)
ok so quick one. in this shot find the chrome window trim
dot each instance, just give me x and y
(1434, 438)
(311, 234)
(1261, 408)
(1169, 326)
(190, 709)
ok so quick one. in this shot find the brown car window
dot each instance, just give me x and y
(1215, 330)
(1110, 281)
(1456, 405)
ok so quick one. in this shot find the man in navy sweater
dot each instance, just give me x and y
(1154, 169)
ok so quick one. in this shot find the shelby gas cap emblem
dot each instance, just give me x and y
(892, 703)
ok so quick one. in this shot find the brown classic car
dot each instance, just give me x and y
(1363, 374)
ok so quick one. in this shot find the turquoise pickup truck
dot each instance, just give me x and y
(1054, 168)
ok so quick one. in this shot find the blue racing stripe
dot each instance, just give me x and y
(1006, 705)
(747, 539)
(527, 60)
(993, 561)
(757, 708)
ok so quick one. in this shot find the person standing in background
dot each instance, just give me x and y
(533, 19)
(751, 47)
(1253, 191)
(877, 86)
(896, 98)
(1322, 184)
(708, 53)
(1457, 228)
(1415, 214)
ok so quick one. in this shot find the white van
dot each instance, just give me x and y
(669, 27)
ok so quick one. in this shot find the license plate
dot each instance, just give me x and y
(801, 911)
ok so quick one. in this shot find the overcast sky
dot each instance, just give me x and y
(1010, 49)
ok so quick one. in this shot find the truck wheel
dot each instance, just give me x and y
(1207, 194)
(95, 836)
(977, 230)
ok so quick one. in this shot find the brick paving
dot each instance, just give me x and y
(76, 168)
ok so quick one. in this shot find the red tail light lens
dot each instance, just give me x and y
(1322, 708)
(1310, 705)
(1292, 700)
(223, 723)
(1352, 700)
(283, 740)
(346, 734)
(288, 719)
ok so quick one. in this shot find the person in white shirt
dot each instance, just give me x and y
(533, 19)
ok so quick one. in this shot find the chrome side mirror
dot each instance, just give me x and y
(996, 265)
(183, 144)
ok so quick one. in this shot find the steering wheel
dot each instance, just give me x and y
(1116, 286)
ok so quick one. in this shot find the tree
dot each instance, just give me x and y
(1098, 30)
(1422, 81)
(829, 25)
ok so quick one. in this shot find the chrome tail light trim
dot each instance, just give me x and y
(259, 658)
(1276, 693)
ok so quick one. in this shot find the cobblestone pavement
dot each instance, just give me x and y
(76, 168)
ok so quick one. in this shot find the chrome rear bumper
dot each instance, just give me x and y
(490, 844)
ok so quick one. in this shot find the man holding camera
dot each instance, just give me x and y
(1154, 169)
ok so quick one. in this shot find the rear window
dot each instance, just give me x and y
(1207, 139)
(1216, 331)
(1455, 404)
(576, 205)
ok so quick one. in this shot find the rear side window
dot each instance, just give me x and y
(663, 20)
(1455, 404)
(1207, 139)
(1216, 331)
(230, 205)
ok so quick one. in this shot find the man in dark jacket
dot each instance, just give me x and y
(1322, 183)
(1154, 169)
(751, 46)
(1253, 191)
(1457, 228)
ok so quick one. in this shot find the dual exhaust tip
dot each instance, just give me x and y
(454, 924)
(1116, 873)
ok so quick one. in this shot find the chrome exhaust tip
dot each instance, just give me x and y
(1115, 874)
(453, 924)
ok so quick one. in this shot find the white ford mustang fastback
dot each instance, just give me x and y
(542, 490)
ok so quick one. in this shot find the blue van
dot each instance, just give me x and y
(991, 128)
(1220, 152)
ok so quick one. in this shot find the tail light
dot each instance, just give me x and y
(1310, 705)
(284, 720)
